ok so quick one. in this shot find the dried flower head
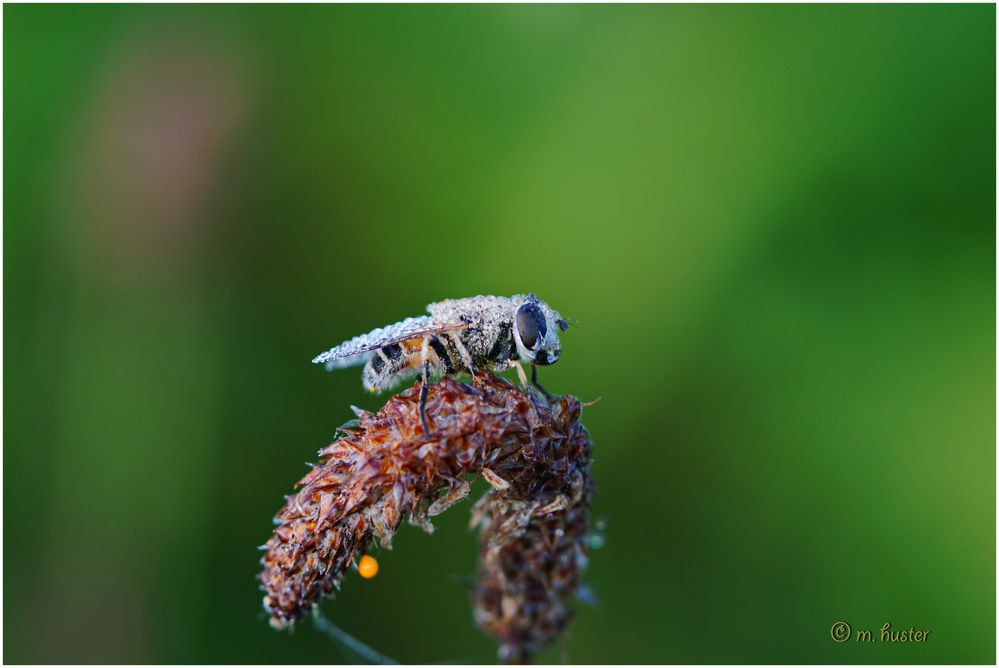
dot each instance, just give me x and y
(533, 523)
(533, 537)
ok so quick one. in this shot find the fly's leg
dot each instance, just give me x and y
(466, 357)
(425, 356)
(535, 383)
(423, 398)
(522, 375)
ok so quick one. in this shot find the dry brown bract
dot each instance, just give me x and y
(533, 523)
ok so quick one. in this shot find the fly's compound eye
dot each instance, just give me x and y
(531, 325)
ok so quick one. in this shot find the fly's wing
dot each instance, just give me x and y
(359, 359)
(359, 349)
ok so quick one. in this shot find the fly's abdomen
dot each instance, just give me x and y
(399, 361)
(390, 365)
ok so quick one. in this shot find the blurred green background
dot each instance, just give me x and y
(774, 224)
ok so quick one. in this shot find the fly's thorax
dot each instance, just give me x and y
(488, 341)
(486, 329)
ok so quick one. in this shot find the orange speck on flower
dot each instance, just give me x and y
(367, 567)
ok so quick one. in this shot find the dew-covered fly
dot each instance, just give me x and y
(468, 334)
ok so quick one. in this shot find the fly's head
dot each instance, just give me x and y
(535, 330)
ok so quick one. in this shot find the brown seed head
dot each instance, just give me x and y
(533, 522)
